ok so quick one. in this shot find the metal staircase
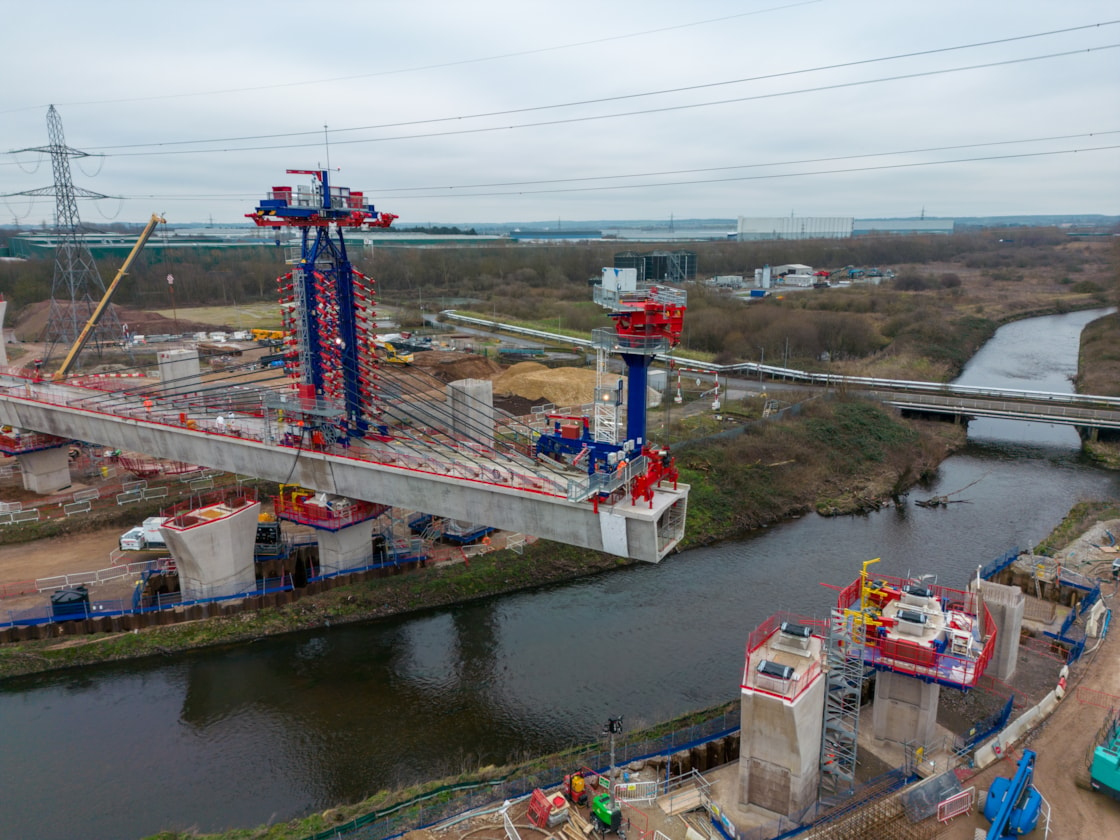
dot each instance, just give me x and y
(845, 671)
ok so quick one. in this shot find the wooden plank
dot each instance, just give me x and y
(681, 801)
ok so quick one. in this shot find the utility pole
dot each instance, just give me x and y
(612, 728)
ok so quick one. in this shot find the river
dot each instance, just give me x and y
(273, 730)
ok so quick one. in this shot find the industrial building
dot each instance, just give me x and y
(820, 227)
(653, 266)
(900, 227)
(794, 227)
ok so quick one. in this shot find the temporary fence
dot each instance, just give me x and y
(954, 806)
(123, 607)
(450, 801)
(1000, 563)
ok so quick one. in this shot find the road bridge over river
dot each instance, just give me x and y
(1088, 413)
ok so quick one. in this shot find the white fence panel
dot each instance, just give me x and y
(634, 791)
(76, 507)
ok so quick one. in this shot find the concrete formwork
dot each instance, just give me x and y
(905, 708)
(45, 470)
(213, 550)
(1006, 604)
(779, 749)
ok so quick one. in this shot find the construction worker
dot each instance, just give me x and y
(147, 405)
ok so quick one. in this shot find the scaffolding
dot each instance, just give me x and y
(608, 400)
(844, 663)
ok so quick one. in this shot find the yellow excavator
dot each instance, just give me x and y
(387, 352)
(94, 318)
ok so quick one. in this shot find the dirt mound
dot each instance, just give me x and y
(451, 366)
(31, 322)
(560, 386)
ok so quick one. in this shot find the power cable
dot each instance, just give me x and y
(667, 91)
(778, 175)
(426, 67)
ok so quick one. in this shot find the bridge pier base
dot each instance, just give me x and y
(45, 471)
(345, 548)
(905, 708)
(213, 549)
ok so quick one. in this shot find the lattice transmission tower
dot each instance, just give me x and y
(77, 286)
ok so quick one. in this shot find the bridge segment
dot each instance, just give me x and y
(550, 506)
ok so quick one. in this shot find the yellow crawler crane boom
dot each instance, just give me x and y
(80, 342)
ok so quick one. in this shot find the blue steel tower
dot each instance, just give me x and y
(328, 305)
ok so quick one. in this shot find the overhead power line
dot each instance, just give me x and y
(426, 67)
(624, 114)
(316, 133)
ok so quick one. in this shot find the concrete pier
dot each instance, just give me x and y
(3, 341)
(472, 409)
(905, 708)
(45, 470)
(179, 371)
(213, 548)
(346, 547)
(782, 712)
(1006, 604)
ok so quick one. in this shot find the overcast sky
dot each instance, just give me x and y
(491, 111)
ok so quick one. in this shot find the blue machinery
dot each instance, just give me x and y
(1013, 805)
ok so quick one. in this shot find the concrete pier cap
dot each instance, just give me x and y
(213, 548)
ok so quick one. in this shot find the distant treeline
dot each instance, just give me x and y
(548, 283)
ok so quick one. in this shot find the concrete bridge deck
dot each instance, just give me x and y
(461, 481)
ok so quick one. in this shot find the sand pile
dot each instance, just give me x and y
(560, 386)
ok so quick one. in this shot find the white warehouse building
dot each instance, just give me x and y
(795, 227)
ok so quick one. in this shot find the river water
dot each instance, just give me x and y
(277, 729)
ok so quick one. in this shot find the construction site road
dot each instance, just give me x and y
(1062, 744)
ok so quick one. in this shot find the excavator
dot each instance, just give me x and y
(387, 352)
(95, 317)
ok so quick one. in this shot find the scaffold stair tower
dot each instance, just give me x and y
(840, 733)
